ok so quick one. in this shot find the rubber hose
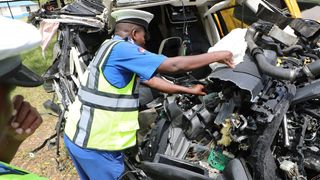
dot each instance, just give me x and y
(273, 71)
(264, 66)
(292, 48)
(312, 69)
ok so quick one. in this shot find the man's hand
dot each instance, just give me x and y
(198, 89)
(227, 59)
(170, 88)
(25, 120)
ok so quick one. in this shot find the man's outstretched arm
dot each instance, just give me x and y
(187, 63)
(170, 88)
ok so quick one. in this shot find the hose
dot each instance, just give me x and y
(313, 69)
(264, 66)
(273, 71)
(292, 48)
(313, 56)
(272, 45)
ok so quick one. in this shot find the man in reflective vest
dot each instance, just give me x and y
(18, 119)
(103, 120)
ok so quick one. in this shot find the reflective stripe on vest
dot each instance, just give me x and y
(8, 171)
(115, 102)
(103, 117)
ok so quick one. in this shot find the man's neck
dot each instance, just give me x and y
(128, 38)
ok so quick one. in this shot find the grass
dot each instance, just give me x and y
(38, 64)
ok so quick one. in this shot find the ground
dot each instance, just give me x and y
(44, 162)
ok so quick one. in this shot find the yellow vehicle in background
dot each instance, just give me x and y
(240, 16)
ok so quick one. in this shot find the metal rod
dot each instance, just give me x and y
(285, 132)
(10, 10)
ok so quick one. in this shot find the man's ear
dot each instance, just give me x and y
(134, 34)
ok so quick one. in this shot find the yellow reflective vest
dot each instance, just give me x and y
(103, 117)
(8, 171)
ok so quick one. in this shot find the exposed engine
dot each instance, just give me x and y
(257, 121)
(263, 115)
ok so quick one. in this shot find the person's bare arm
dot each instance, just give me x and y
(167, 87)
(188, 63)
(24, 123)
(9, 147)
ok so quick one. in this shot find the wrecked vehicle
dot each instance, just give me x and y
(258, 121)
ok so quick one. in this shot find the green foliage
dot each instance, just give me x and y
(36, 62)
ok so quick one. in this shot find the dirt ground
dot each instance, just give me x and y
(44, 162)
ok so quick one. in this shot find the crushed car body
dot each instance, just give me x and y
(259, 120)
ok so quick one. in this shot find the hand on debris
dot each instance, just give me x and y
(198, 89)
(227, 43)
(25, 119)
(228, 60)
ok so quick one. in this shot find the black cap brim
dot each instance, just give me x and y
(136, 21)
(14, 73)
(25, 77)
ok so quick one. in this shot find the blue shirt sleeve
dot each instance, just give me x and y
(126, 59)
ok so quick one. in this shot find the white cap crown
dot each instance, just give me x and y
(16, 37)
(134, 16)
